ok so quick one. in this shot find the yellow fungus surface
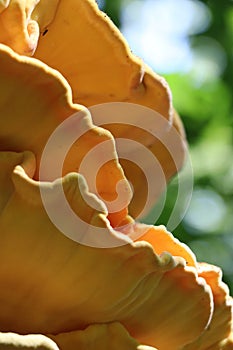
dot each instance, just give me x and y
(91, 276)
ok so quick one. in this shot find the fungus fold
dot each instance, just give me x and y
(91, 276)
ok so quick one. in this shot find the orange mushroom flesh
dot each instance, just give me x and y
(109, 336)
(17, 29)
(50, 273)
(218, 335)
(136, 267)
(99, 73)
(63, 304)
(42, 100)
(109, 72)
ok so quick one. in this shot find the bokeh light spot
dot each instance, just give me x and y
(158, 31)
(206, 212)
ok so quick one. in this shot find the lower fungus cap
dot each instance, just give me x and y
(122, 293)
(39, 261)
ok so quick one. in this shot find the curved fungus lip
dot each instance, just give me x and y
(147, 287)
(113, 283)
(44, 13)
(28, 81)
(27, 342)
(17, 29)
(219, 332)
(102, 335)
(161, 240)
(109, 72)
(4, 4)
(89, 70)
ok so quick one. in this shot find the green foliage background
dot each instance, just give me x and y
(207, 113)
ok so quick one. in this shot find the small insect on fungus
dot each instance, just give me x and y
(45, 31)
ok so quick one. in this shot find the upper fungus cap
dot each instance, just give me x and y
(151, 291)
(107, 72)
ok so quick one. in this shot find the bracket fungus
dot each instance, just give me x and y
(91, 276)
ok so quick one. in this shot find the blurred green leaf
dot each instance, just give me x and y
(113, 10)
(199, 105)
